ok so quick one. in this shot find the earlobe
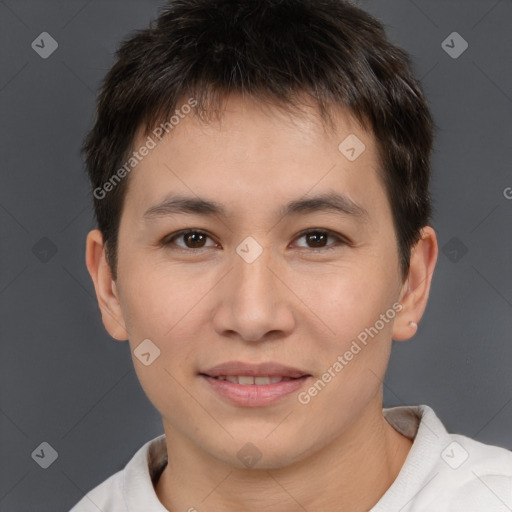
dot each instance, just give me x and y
(416, 288)
(105, 287)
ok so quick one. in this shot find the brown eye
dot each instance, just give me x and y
(192, 239)
(316, 239)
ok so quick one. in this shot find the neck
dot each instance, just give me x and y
(352, 472)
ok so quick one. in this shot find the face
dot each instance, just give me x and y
(255, 282)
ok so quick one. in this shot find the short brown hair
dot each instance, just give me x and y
(273, 51)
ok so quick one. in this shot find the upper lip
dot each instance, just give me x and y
(269, 369)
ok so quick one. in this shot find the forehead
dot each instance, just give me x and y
(254, 153)
(239, 115)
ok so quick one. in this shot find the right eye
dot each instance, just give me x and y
(193, 239)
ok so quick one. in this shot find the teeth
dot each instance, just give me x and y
(246, 380)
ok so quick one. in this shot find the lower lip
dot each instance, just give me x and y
(254, 395)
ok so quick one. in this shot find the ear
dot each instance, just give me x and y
(416, 288)
(105, 286)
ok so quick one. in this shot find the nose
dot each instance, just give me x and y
(255, 303)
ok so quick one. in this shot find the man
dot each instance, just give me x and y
(260, 172)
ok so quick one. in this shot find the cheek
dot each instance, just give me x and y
(352, 356)
(164, 311)
(352, 339)
(158, 299)
(348, 300)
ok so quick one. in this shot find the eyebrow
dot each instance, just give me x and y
(328, 203)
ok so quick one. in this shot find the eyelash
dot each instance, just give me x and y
(169, 240)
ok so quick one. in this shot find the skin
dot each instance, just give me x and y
(292, 305)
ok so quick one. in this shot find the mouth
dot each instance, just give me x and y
(254, 385)
(247, 373)
(249, 380)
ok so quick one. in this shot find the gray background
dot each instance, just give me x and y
(64, 381)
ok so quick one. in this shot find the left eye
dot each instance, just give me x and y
(319, 236)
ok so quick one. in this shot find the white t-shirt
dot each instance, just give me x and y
(442, 473)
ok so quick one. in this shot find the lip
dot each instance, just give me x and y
(254, 395)
(270, 369)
